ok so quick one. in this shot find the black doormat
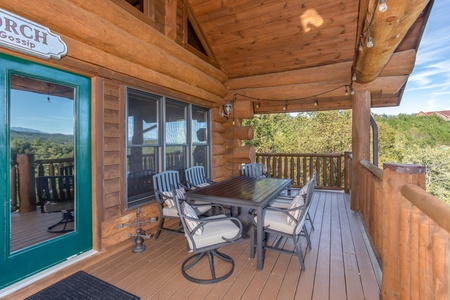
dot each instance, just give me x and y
(82, 286)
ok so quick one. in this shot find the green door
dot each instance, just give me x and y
(45, 167)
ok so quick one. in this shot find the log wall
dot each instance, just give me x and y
(119, 47)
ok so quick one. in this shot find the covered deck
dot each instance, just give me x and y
(340, 265)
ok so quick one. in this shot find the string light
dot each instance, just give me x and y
(383, 6)
(257, 104)
(352, 91)
(369, 42)
(346, 90)
(354, 76)
(316, 102)
(285, 105)
(360, 46)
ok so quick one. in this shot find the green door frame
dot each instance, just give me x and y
(28, 261)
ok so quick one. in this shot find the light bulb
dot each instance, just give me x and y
(352, 92)
(360, 46)
(383, 6)
(316, 102)
(369, 42)
(354, 76)
(346, 90)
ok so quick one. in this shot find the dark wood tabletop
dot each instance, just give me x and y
(241, 191)
(244, 191)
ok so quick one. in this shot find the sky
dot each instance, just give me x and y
(428, 87)
(45, 113)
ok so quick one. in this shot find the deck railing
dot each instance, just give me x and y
(331, 169)
(23, 172)
(410, 229)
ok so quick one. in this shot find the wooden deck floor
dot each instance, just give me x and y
(338, 266)
(31, 228)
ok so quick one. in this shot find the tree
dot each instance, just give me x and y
(437, 163)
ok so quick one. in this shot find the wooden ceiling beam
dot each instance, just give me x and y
(387, 30)
(386, 85)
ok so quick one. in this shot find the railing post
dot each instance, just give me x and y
(394, 177)
(27, 186)
(347, 169)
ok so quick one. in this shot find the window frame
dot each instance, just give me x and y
(161, 147)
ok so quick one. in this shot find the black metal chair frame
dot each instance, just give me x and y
(56, 194)
(299, 230)
(253, 170)
(195, 176)
(210, 251)
(165, 182)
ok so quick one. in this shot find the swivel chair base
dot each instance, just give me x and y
(194, 259)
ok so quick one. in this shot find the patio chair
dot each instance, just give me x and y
(56, 194)
(283, 201)
(286, 223)
(195, 177)
(163, 183)
(253, 170)
(204, 237)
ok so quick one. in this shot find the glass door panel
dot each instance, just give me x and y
(42, 158)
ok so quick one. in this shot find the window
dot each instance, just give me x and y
(200, 137)
(143, 143)
(162, 134)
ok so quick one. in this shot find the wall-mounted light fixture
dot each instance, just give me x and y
(225, 111)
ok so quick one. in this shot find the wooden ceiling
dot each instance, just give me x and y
(284, 55)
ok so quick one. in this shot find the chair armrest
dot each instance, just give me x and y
(213, 219)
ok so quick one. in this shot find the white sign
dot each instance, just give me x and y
(19, 34)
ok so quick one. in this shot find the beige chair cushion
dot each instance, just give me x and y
(190, 212)
(214, 231)
(170, 211)
(169, 199)
(297, 202)
(200, 185)
(277, 221)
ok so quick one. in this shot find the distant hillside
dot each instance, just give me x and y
(29, 135)
(422, 131)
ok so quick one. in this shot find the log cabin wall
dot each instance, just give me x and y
(116, 49)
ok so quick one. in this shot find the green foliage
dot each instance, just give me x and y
(421, 140)
(41, 149)
(437, 162)
(316, 132)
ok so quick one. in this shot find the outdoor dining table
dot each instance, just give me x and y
(247, 192)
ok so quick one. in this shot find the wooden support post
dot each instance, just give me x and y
(394, 177)
(27, 186)
(360, 143)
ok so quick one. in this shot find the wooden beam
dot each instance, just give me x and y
(170, 26)
(387, 30)
(360, 143)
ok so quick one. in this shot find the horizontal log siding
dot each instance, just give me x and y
(301, 167)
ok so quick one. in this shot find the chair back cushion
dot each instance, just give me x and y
(188, 211)
(296, 204)
(169, 199)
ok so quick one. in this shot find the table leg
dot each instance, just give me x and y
(260, 238)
